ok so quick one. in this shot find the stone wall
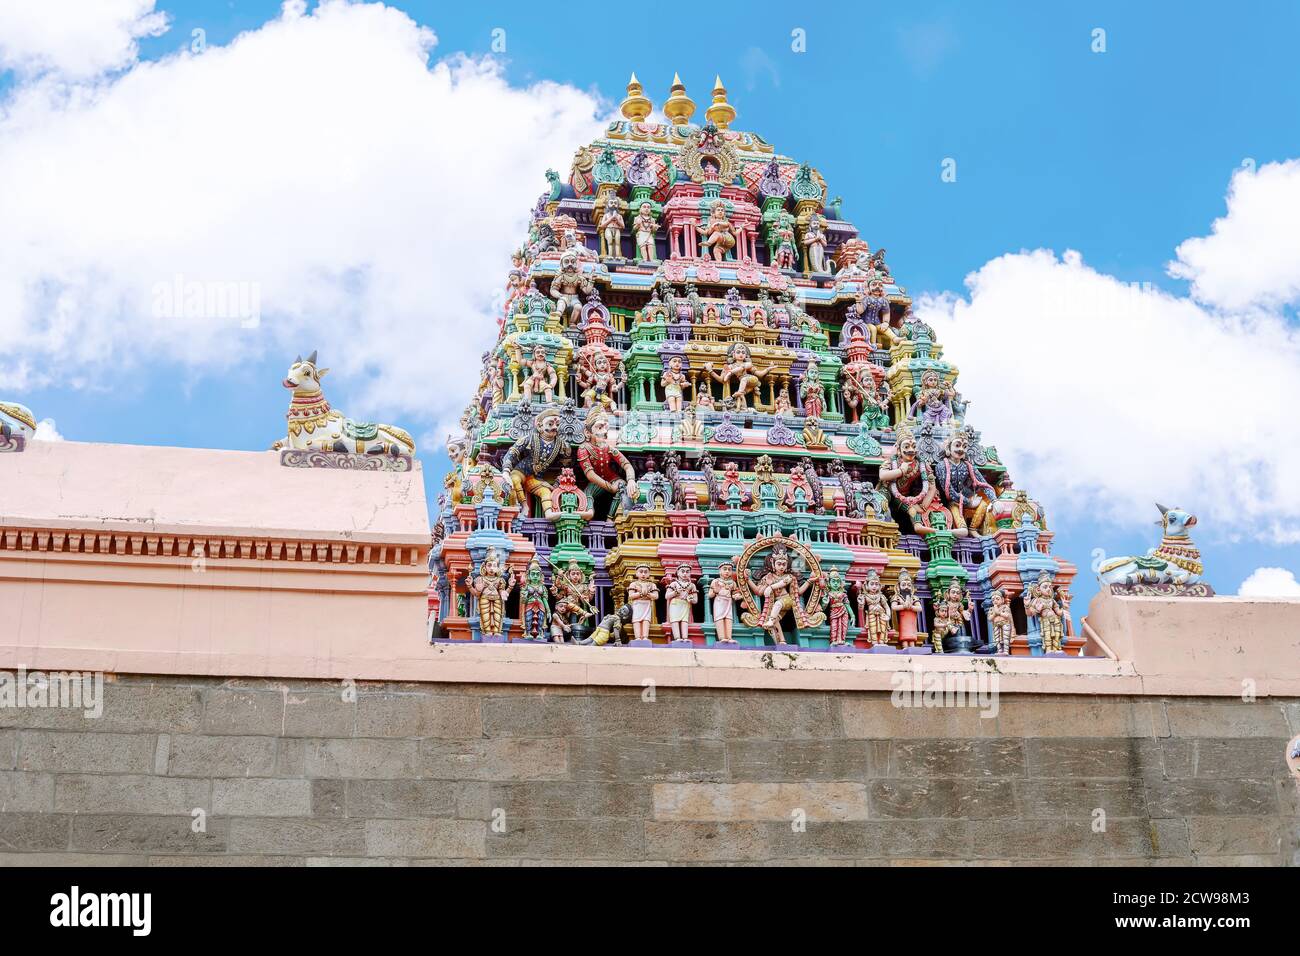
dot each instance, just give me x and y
(318, 773)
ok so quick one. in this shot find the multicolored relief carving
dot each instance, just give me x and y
(710, 417)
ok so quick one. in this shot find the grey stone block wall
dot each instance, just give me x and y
(206, 772)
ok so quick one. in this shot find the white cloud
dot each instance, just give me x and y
(1270, 582)
(74, 38)
(366, 202)
(46, 430)
(1104, 397)
(1249, 259)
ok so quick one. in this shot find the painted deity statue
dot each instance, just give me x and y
(540, 378)
(723, 592)
(673, 381)
(566, 618)
(934, 400)
(609, 473)
(535, 604)
(600, 380)
(491, 587)
(576, 586)
(315, 426)
(962, 490)
(951, 613)
(719, 234)
(740, 368)
(1002, 624)
(874, 608)
(782, 406)
(779, 587)
(839, 612)
(1044, 605)
(681, 594)
(569, 283)
(645, 227)
(907, 606)
(908, 480)
(814, 243)
(813, 434)
(610, 225)
(534, 455)
(784, 255)
(641, 595)
(812, 393)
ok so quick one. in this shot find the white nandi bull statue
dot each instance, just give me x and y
(314, 426)
(1175, 561)
(18, 420)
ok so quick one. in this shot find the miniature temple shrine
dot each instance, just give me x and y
(711, 419)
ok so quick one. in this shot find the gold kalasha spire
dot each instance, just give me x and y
(721, 113)
(679, 108)
(637, 106)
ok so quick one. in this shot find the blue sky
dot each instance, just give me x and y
(1121, 155)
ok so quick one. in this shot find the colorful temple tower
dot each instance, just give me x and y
(711, 418)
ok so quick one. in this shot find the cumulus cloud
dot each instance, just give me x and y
(1104, 397)
(46, 430)
(1270, 582)
(316, 183)
(75, 38)
(1249, 259)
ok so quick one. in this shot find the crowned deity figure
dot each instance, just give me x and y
(674, 382)
(909, 482)
(1002, 624)
(645, 226)
(534, 455)
(723, 591)
(535, 604)
(874, 608)
(1043, 604)
(682, 595)
(780, 590)
(568, 285)
(540, 377)
(907, 606)
(641, 595)
(491, 588)
(785, 253)
(839, 611)
(609, 473)
(610, 225)
(600, 379)
(934, 400)
(719, 234)
(962, 490)
(814, 243)
(951, 611)
(740, 368)
(812, 393)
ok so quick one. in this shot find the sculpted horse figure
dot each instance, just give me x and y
(315, 426)
(1176, 560)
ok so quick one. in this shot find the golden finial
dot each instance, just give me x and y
(721, 113)
(637, 106)
(679, 107)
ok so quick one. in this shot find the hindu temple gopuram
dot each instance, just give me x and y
(711, 418)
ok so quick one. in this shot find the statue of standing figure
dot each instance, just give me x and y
(907, 606)
(567, 286)
(535, 604)
(839, 612)
(1043, 604)
(951, 612)
(1002, 624)
(645, 227)
(719, 234)
(611, 227)
(642, 594)
(491, 587)
(541, 378)
(682, 595)
(814, 242)
(874, 608)
(724, 590)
